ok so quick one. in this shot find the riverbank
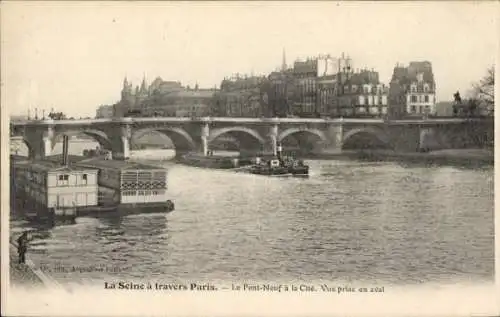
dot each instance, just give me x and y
(25, 275)
(215, 161)
(453, 157)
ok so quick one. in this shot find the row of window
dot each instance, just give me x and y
(63, 179)
(307, 100)
(367, 89)
(420, 98)
(420, 109)
(413, 88)
(373, 100)
(358, 110)
(143, 192)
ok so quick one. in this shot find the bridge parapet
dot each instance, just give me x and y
(245, 121)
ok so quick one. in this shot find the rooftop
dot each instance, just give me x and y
(409, 74)
(194, 93)
(114, 164)
(48, 166)
(58, 158)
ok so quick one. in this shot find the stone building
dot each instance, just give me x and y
(279, 93)
(361, 94)
(240, 96)
(327, 101)
(104, 111)
(413, 90)
(305, 74)
(164, 98)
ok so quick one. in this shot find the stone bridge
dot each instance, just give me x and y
(262, 134)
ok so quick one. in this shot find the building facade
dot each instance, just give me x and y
(279, 93)
(104, 111)
(327, 96)
(362, 94)
(413, 90)
(305, 74)
(164, 98)
(240, 96)
(321, 86)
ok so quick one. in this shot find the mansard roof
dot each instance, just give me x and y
(408, 75)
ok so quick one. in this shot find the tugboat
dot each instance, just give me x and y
(280, 166)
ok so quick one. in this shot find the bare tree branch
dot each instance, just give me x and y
(484, 95)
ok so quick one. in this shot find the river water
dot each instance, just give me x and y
(349, 221)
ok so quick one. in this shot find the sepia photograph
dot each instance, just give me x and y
(248, 158)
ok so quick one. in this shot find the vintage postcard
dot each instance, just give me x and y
(248, 158)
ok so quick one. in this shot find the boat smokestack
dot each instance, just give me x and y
(65, 150)
(279, 150)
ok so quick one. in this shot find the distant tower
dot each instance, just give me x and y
(126, 90)
(283, 61)
(144, 88)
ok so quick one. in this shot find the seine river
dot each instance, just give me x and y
(349, 221)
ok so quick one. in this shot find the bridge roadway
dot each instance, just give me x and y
(419, 121)
(317, 134)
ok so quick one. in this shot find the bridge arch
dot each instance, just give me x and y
(99, 136)
(292, 131)
(247, 138)
(181, 140)
(366, 137)
(304, 140)
(16, 145)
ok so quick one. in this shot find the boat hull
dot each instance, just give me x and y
(300, 171)
(279, 171)
(126, 209)
(40, 213)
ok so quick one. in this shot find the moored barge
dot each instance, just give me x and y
(56, 188)
(129, 187)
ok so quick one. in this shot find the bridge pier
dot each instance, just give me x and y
(335, 139)
(119, 135)
(39, 142)
(273, 139)
(428, 140)
(205, 132)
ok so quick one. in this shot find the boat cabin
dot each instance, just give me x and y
(274, 163)
(130, 182)
(52, 185)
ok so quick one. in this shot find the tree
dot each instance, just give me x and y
(484, 92)
(57, 115)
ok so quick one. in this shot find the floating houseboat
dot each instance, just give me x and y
(46, 189)
(57, 188)
(132, 187)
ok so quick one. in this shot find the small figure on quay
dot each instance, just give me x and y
(22, 247)
(458, 101)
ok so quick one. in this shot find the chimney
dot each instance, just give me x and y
(65, 150)
(279, 150)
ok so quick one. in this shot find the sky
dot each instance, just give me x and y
(73, 56)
